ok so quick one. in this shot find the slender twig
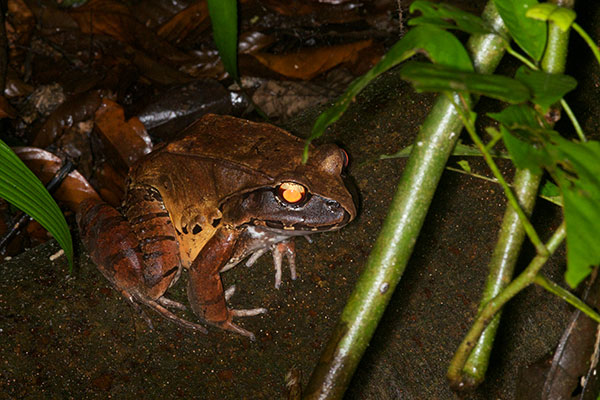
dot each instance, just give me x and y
(567, 296)
(588, 40)
(468, 121)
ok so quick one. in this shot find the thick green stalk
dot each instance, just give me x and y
(490, 309)
(501, 269)
(395, 243)
(511, 236)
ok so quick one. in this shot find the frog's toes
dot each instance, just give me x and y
(230, 326)
(154, 305)
(286, 248)
(251, 312)
(163, 301)
(255, 256)
(229, 292)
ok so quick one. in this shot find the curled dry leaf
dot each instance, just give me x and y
(308, 63)
(193, 20)
(73, 190)
(252, 41)
(76, 109)
(177, 106)
(124, 141)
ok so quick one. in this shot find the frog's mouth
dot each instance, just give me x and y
(300, 228)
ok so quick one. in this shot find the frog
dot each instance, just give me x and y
(223, 191)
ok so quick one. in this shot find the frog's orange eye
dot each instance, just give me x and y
(291, 192)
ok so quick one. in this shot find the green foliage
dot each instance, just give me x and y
(547, 89)
(439, 78)
(528, 33)
(446, 50)
(20, 187)
(531, 143)
(447, 17)
(574, 167)
(223, 16)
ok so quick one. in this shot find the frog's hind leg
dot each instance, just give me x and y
(157, 238)
(117, 252)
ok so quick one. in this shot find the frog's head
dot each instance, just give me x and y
(302, 199)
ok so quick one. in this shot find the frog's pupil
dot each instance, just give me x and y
(197, 229)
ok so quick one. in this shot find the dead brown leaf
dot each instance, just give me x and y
(113, 18)
(124, 141)
(308, 63)
(194, 19)
(73, 190)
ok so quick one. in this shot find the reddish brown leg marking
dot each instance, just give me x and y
(156, 235)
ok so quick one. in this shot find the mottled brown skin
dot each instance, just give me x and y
(205, 202)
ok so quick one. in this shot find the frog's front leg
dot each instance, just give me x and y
(205, 288)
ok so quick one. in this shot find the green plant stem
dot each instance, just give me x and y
(573, 119)
(469, 123)
(567, 296)
(588, 40)
(399, 233)
(510, 239)
(487, 313)
(501, 268)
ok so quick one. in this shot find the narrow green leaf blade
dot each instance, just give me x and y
(20, 187)
(440, 46)
(223, 17)
(446, 16)
(546, 88)
(530, 34)
(439, 78)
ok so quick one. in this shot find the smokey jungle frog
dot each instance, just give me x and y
(226, 190)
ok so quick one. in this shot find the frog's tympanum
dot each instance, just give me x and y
(226, 190)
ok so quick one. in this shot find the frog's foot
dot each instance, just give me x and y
(280, 249)
(240, 313)
(230, 326)
(135, 301)
(174, 318)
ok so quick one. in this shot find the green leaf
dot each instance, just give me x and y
(464, 164)
(562, 17)
(546, 88)
(439, 78)
(20, 187)
(579, 180)
(440, 46)
(447, 17)
(523, 132)
(223, 17)
(528, 33)
(551, 192)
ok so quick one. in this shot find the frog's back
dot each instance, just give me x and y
(259, 147)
